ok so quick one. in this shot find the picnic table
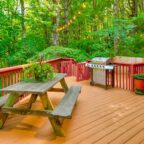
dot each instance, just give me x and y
(40, 89)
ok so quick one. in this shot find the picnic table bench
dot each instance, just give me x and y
(40, 89)
(3, 100)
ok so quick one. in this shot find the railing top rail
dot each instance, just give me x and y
(81, 63)
(8, 69)
(139, 64)
(128, 64)
(20, 67)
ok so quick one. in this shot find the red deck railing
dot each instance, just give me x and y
(123, 73)
(69, 67)
(12, 75)
(123, 76)
(82, 72)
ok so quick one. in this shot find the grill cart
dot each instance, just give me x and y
(102, 71)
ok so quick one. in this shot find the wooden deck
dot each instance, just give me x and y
(101, 116)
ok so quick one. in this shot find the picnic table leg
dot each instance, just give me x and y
(54, 121)
(12, 99)
(32, 100)
(64, 85)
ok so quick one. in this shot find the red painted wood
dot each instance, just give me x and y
(129, 75)
(116, 76)
(7, 83)
(132, 74)
(67, 67)
(127, 84)
(123, 72)
(82, 72)
(123, 77)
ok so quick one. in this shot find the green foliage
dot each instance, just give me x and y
(57, 51)
(139, 92)
(139, 76)
(139, 22)
(26, 48)
(39, 72)
(93, 48)
(132, 46)
(100, 29)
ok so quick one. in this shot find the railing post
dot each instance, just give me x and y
(132, 72)
(77, 72)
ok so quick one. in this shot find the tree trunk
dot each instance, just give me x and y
(46, 35)
(133, 4)
(66, 14)
(56, 18)
(116, 16)
(94, 16)
(22, 19)
(134, 8)
(141, 5)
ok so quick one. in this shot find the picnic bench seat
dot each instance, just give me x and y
(66, 105)
(3, 100)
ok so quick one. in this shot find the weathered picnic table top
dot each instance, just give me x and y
(34, 87)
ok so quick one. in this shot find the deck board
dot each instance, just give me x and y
(113, 116)
(99, 121)
(138, 138)
(142, 142)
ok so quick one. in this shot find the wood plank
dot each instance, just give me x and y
(64, 85)
(55, 122)
(47, 104)
(32, 100)
(124, 133)
(134, 128)
(102, 119)
(3, 99)
(23, 111)
(109, 133)
(139, 137)
(34, 87)
(99, 130)
(56, 90)
(66, 105)
(142, 142)
(99, 108)
(13, 97)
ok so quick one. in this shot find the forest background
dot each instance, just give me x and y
(81, 29)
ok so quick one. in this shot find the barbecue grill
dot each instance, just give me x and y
(102, 71)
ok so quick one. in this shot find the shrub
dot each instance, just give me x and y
(139, 92)
(39, 72)
(139, 76)
(57, 51)
(26, 48)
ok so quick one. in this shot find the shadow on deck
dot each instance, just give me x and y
(101, 116)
